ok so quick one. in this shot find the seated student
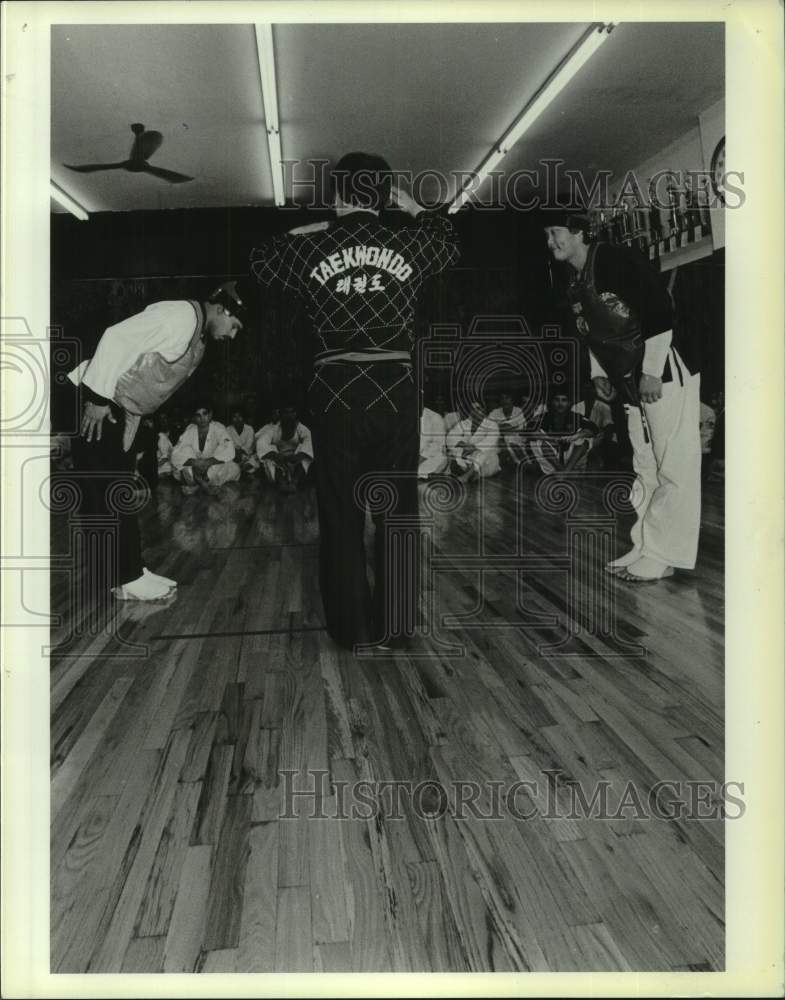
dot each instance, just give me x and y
(563, 442)
(433, 452)
(441, 406)
(242, 436)
(604, 444)
(273, 417)
(473, 445)
(285, 450)
(204, 455)
(511, 422)
(164, 449)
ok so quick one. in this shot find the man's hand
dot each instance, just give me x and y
(603, 388)
(650, 388)
(404, 201)
(93, 420)
(313, 227)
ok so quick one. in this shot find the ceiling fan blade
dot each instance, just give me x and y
(145, 144)
(89, 168)
(166, 175)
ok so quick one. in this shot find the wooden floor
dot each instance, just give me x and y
(170, 850)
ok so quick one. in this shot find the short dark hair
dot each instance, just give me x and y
(575, 219)
(363, 180)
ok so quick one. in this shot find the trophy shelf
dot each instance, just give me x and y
(704, 247)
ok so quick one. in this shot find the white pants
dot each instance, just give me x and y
(272, 471)
(484, 462)
(217, 475)
(667, 491)
(549, 458)
(431, 465)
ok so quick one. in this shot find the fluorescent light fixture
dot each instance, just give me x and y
(67, 202)
(266, 58)
(558, 80)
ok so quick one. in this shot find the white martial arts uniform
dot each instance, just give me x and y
(667, 491)
(270, 438)
(551, 456)
(600, 415)
(244, 441)
(485, 438)
(244, 446)
(510, 428)
(217, 445)
(433, 450)
(164, 455)
(450, 420)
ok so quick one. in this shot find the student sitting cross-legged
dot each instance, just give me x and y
(285, 451)
(204, 455)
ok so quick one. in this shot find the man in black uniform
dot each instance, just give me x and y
(359, 279)
(624, 313)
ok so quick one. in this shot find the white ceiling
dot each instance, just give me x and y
(426, 96)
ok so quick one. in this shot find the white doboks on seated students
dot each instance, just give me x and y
(204, 455)
(164, 446)
(473, 445)
(511, 422)
(285, 450)
(433, 444)
(242, 436)
(564, 438)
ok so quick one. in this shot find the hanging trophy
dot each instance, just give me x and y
(703, 205)
(640, 227)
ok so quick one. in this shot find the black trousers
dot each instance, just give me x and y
(100, 466)
(359, 434)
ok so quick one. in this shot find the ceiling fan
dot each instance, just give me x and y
(145, 144)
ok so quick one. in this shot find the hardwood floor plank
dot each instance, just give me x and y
(202, 726)
(223, 961)
(336, 705)
(442, 942)
(157, 904)
(244, 776)
(212, 801)
(128, 888)
(327, 879)
(368, 932)
(68, 774)
(186, 929)
(228, 877)
(293, 941)
(256, 949)
(333, 957)
(145, 955)
(598, 949)
(267, 796)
